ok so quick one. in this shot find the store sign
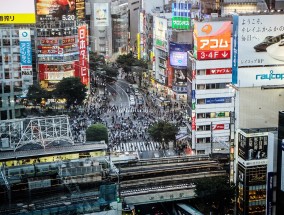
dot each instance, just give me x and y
(48, 41)
(218, 100)
(181, 16)
(161, 44)
(212, 40)
(193, 121)
(235, 50)
(70, 40)
(259, 40)
(82, 71)
(17, 12)
(220, 71)
(26, 57)
(160, 28)
(261, 76)
(80, 9)
(220, 127)
(101, 14)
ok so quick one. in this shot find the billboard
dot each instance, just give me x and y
(259, 40)
(178, 54)
(181, 16)
(160, 28)
(65, 10)
(82, 66)
(253, 147)
(219, 71)
(26, 57)
(17, 12)
(101, 14)
(180, 75)
(212, 40)
(261, 76)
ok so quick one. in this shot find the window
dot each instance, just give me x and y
(203, 140)
(203, 128)
(200, 152)
(201, 72)
(201, 86)
(200, 101)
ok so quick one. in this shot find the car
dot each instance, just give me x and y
(132, 102)
(140, 101)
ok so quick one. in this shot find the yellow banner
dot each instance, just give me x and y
(17, 18)
(138, 47)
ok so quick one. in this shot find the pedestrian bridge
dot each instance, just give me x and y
(167, 196)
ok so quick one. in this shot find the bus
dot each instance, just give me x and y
(184, 209)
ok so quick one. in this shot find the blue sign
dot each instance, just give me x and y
(181, 9)
(235, 50)
(270, 76)
(25, 53)
(193, 94)
(218, 100)
(269, 197)
(178, 54)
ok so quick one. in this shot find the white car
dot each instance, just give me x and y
(132, 102)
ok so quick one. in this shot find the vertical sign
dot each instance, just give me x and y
(181, 16)
(83, 54)
(235, 50)
(26, 57)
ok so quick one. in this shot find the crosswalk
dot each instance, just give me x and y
(129, 110)
(136, 146)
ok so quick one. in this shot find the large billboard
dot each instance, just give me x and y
(178, 54)
(101, 14)
(17, 12)
(261, 76)
(181, 16)
(212, 40)
(260, 40)
(26, 57)
(160, 28)
(83, 65)
(65, 10)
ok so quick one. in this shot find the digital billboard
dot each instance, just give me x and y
(261, 76)
(82, 70)
(101, 14)
(65, 10)
(178, 54)
(181, 16)
(26, 57)
(260, 40)
(17, 12)
(212, 40)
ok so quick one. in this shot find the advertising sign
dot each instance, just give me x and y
(52, 10)
(193, 124)
(80, 9)
(253, 147)
(220, 127)
(269, 193)
(260, 40)
(48, 41)
(235, 49)
(17, 12)
(261, 76)
(212, 40)
(160, 28)
(82, 70)
(181, 16)
(101, 14)
(178, 54)
(141, 22)
(26, 56)
(218, 100)
(219, 71)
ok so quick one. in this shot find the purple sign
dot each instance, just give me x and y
(178, 59)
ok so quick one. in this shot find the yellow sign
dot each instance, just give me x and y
(138, 47)
(17, 18)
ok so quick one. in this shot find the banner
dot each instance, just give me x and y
(181, 16)
(83, 64)
(26, 57)
(235, 50)
(101, 14)
(212, 40)
(17, 12)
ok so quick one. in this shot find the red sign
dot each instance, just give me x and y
(220, 126)
(193, 122)
(49, 41)
(82, 70)
(68, 40)
(213, 55)
(219, 71)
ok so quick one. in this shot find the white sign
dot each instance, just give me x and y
(160, 28)
(261, 76)
(141, 23)
(259, 40)
(101, 14)
(252, 162)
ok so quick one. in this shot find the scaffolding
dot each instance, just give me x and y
(39, 131)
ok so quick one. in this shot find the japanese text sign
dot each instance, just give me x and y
(83, 54)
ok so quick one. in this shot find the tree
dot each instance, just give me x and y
(97, 132)
(163, 132)
(36, 94)
(72, 90)
(95, 60)
(110, 73)
(215, 192)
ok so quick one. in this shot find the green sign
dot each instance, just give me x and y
(182, 23)
(220, 114)
(193, 106)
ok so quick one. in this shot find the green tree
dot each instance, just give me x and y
(163, 132)
(110, 73)
(72, 90)
(95, 60)
(215, 192)
(36, 94)
(97, 132)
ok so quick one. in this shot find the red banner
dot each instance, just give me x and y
(219, 71)
(82, 68)
(170, 73)
(49, 41)
(193, 122)
(213, 55)
(220, 126)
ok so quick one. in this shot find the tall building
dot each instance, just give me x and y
(17, 59)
